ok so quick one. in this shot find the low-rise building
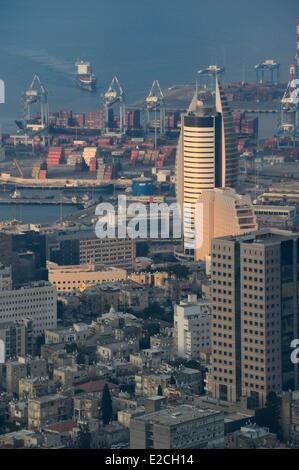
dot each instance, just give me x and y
(147, 358)
(109, 322)
(164, 342)
(120, 350)
(21, 439)
(68, 279)
(156, 279)
(48, 409)
(18, 412)
(76, 245)
(35, 387)
(148, 384)
(252, 437)
(86, 407)
(68, 376)
(283, 217)
(14, 371)
(182, 427)
(77, 333)
(290, 417)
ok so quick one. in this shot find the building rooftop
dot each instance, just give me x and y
(254, 432)
(88, 268)
(273, 208)
(62, 426)
(177, 415)
(265, 236)
(95, 386)
(48, 398)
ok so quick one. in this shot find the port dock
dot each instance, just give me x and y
(40, 202)
(65, 184)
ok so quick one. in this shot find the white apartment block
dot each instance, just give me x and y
(192, 327)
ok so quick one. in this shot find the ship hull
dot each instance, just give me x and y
(87, 83)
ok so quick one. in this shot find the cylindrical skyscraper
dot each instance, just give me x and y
(207, 158)
(202, 162)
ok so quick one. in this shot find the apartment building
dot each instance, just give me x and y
(192, 327)
(17, 338)
(14, 371)
(36, 302)
(48, 409)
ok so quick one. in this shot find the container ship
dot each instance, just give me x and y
(86, 80)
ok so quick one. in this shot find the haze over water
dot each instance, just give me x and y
(139, 40)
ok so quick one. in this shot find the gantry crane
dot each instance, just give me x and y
(36, 93)
(155, 103)
(209, 74)
(115, 95)
(267, 72)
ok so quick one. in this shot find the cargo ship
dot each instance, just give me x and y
(86, 80)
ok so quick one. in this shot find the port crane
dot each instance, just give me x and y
(19, 168)
(206, 78)
(36, 93)
(155, 103)
(269, 69)
(289, 118)
(115, 95)
(212, 70)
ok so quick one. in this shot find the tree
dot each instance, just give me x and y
(39, 342)
(180, 271)
(84, 437)
(71, 347)
(270, 415)
(273, 413)
(160, 391)
(128, 388)
(106, 406)
(142, 249)
(172, 380)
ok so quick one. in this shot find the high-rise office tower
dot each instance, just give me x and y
(254, 315)
(207, 157)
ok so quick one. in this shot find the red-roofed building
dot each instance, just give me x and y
(62, 427)
(95, 386)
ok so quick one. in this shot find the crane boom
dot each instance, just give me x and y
(113, 95)
(19, 168)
